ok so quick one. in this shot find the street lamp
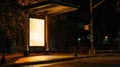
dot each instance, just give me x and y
(75, 46)
(92, 49)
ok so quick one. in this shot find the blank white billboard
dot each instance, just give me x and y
(36, 32)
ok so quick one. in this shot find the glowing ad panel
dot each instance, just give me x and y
(36, 32)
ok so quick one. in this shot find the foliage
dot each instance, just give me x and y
(11, 22)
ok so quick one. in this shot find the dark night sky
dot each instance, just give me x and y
(106, 18)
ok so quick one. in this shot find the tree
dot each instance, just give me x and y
(11, 22)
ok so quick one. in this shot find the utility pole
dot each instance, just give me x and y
(92, 49)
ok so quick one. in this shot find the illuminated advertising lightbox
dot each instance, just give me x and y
(36, 32)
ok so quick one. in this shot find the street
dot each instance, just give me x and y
(107, 61)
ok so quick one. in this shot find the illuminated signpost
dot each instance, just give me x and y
(36, 32)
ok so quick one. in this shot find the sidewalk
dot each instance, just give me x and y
(35, 58)
(18, 59)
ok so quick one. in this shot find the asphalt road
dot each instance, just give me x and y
(108, 61)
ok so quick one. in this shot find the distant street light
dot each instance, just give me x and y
(79, 39)
(106, 37)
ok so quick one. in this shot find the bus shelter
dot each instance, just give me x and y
(37, 14)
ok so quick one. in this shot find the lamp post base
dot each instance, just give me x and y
(92, 51)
